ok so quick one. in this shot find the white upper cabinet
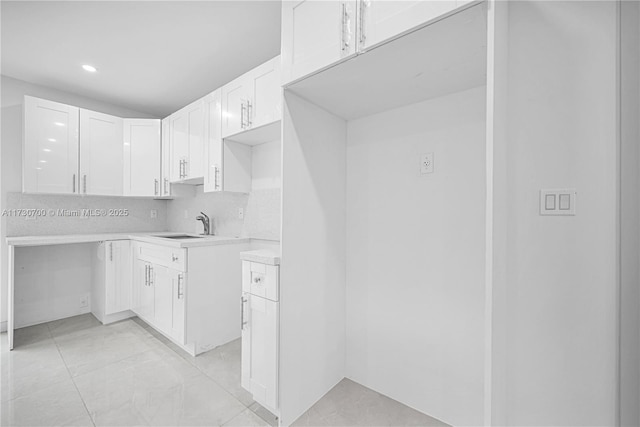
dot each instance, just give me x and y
(265, 89)
(316, 34)
(186, 129)
(380, 20)
(142, 157)
(253, 99)
(235, 100)
(50, 157)
(101, 154)
(166, 159)
(213, 141)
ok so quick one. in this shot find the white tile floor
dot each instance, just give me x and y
(76, 371)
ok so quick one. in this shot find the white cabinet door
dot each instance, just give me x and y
(162, 283)
(187, 142)
(141, 157)
(380, 20)
(195, 164)
(179, 286)
(166, 158)
(50, 162)
(235, 98)
(316, 34)
(179, 140)
(213, 141)
(265, 90)
(118, 284)
(143, 291)
(259, 374)
(101, 154)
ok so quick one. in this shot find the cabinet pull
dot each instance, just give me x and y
(166, 186)
(155, 187)
(216, 175)
(242, 322)
(242, 107)
(342, 38)
(74, 183)
(180, 292)
(150, 275)
(146, 274)
(84, 183)
(249, 113)
(186, 168)
(110, 251)
(363, 7)
(181, 164)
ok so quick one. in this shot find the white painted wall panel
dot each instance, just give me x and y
(415, 255)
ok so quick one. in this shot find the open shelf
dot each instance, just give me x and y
(447, 56)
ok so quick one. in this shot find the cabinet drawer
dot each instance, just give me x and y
(261, 280)
(174, 258)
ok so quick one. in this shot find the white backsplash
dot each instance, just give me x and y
(262, 216)
(138, 218)
(222, 208)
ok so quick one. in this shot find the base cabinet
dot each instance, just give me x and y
(111, 296)
(259, 319)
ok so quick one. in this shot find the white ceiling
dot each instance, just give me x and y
(152, 56)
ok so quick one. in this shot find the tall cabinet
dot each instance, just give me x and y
(186, 130)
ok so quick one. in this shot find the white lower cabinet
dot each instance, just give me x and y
(111, 294)
(259, 320)
(189, 295)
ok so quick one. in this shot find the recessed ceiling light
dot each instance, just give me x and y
(58, 123)
(51, 140)
(89, 68)
(46, 150)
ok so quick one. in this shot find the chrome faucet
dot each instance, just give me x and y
(205, 222)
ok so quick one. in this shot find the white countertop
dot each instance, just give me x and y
(150, 237)
(262, 256)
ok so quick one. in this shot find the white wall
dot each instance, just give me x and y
(415, 255)
(630, 214)
(13, 92)
(266, 166)
(312, 273)
(561, 272)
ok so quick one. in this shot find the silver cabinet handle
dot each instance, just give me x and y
(186, 168)
(110, 251)
(74, 183)
(344, 19)
(242, 107)
(155, 187)
(84, 183)
(151, 275)
(242, 322)
(257, 279)
(166, 186)
(249, 113)
(181, 168)
(180, 284)
(146, 274)
(216, 176)
(363, 7)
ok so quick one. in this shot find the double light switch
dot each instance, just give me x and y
(558, 202)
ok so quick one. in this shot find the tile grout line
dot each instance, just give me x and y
(71, 376)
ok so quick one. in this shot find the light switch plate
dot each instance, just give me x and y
(558, 201)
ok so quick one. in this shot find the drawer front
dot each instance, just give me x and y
(174, 258)
(261, 280)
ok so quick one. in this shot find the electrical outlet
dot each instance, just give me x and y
(240, 213)
(154, 213)
(426, 163)
(84, 301)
